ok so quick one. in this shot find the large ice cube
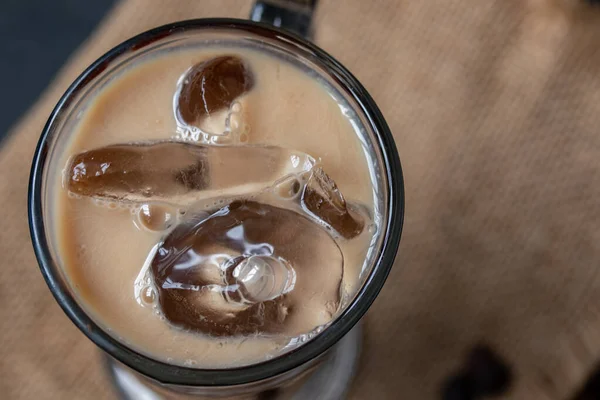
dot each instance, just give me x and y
(322, 198)
(179, 173)
(279, 272)
(210, 86)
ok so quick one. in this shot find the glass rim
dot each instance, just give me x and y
(187, 376)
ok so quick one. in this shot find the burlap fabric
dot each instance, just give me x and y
(495, 107)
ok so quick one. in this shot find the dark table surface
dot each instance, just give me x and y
(36, 38)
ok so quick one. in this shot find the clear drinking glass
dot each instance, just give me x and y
(323, 366)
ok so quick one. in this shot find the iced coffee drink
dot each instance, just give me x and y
(214, 206)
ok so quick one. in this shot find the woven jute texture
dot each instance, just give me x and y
(495, 107)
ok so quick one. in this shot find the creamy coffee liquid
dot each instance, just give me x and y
(117, 241)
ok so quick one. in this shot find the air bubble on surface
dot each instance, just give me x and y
(288, 188)
(155, 217)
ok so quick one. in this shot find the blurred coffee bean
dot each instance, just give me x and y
(458, 387)
(490, 374)
(591, 388)
(483, 375)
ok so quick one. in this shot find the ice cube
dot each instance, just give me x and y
(179, 173)
(279, 272)
(211, 86)
(322, 198)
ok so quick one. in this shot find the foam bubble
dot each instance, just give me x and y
(155, 217)
(148, 296)
(189, 362)
(236, 107)
(288, 188)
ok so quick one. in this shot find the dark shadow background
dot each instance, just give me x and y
(36, 38)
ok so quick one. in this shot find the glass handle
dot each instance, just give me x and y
(292, 15)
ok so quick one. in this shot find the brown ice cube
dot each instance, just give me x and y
(138, 170)
(322, 198)
(211, 86)
(179, 172)
(291, 255)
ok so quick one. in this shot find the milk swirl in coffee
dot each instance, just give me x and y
(214, 206)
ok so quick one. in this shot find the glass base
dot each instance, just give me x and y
(330, 380)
